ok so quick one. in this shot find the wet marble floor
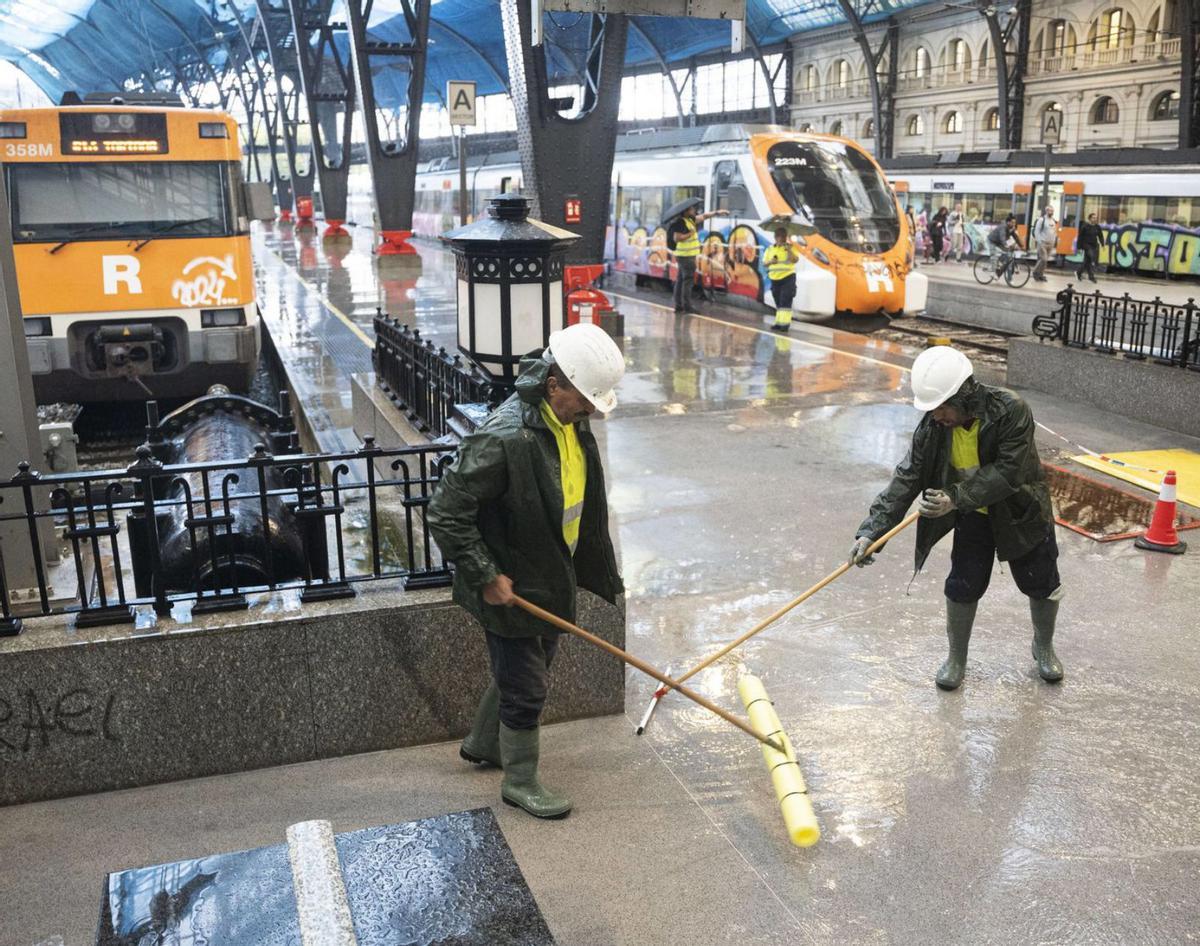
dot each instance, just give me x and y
(739, 466)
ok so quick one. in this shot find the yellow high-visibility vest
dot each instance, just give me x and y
(779, 262)
(573, 475)
(691, 245)
(964, 453)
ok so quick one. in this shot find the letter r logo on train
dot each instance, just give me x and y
(121, 270)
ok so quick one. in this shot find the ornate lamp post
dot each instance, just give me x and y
(510, 295)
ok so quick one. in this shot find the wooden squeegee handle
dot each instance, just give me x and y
(641, 665)
(767, 622)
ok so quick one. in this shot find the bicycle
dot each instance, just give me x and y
(1015, 269)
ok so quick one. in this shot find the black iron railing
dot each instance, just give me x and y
(1152, 330)
(424, 382)
(209, 533)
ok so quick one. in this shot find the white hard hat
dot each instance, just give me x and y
(937, 374)
(591, 361)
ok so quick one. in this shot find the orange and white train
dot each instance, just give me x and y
(131, 236)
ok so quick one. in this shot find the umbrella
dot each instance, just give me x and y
(795, 224)
(676, 210)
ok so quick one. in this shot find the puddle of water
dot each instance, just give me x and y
(1100, 512)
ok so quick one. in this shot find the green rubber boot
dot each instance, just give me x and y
(482, 744)
(519, 752)
(1044, 611)
(959, 619)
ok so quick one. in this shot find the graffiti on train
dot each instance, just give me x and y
(1150, 248)
(730, 259)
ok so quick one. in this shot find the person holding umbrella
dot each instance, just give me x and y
(684, 239)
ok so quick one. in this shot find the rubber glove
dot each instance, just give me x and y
(858, 552)
(935, 503)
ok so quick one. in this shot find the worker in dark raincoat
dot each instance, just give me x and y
(523, 510)
(975, 468)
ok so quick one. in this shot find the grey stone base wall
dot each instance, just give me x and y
(90, 711)
(990, 307)
(1165, 397)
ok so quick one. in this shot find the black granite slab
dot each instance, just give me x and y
(450, 881)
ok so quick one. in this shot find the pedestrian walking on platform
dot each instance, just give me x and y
(1045, 238)
(956, 224)
(937, 233)
(522, 509)
(780, 260)
(974, 468)
(1089, 242)
(683, 238)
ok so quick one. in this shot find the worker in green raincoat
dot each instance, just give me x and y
(975, 468)
(523, 510)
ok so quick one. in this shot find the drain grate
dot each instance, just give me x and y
(1100, 512)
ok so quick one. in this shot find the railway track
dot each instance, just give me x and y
(987, 342)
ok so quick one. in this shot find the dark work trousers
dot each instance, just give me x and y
(1035, 572)
(1089, 260)
(936, 239)
(684, 282)
(521, 668)
(784, 291)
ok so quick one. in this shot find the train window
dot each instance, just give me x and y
(134, 199)
(727, 182)
(840, 189)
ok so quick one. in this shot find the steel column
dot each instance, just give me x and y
(1010, 76)
(883, 99)
(325, 75)
(1189, 75)
(567, 156)
(393, 163)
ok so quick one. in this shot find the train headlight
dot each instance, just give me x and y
(101, 122)
(821, 256)
(222, 318)
(125, 121)
(36, 327)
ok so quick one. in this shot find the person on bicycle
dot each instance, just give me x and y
(1002, 241)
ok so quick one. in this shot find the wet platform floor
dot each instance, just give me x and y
(739, 467)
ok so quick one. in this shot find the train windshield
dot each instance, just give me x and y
(109, 200)
(840, 189)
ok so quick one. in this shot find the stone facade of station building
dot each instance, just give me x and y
(1113, 69)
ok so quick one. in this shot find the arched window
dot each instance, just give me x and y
(839, 75)
(952, 124)
(991, 120)
(836, 128)
(1164, 23)
(1113, 28)
(1057, 39)
(983, 57)
(920, 62)
(806, 128)
(869, 128)
(916, 126)
(1105, 111)
(1165, 107)
(958, 56)
(809, 83)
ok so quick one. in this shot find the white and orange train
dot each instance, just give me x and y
(856, 253)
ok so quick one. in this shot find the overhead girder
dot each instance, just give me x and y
(883, 95)
(1189, 75)
(393, 163)
(500, 77)
(1010, 75)
(561, 156)
(276, 20)
(328, 88)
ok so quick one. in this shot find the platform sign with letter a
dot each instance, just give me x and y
(460, 102)
(1052, 120)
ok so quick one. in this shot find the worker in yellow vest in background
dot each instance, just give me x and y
(683, 238)
(780, 260)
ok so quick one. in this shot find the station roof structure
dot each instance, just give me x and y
(87, 45)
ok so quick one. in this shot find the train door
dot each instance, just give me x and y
(1022, 206)
(729, 190)
(1070, 216)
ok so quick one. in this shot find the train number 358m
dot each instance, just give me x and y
(30, 150)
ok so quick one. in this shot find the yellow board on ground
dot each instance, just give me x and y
(1185, 463)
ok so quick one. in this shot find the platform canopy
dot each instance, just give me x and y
(92, 45)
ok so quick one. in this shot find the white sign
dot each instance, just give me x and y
(460, 102)
(1051, 126)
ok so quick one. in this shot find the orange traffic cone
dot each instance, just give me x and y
(1161, 536)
